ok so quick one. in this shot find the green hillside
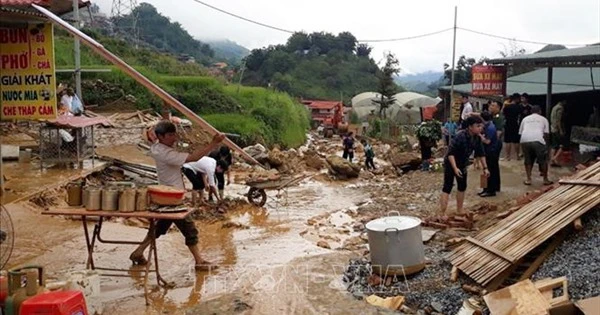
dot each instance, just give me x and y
(314, 66)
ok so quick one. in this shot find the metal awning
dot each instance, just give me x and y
(588, 56)
(77, 121)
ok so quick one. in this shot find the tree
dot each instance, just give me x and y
(387, 88)
(298, 42)
(462, 71)
(323, 42)
(346, 42)
(363, 50)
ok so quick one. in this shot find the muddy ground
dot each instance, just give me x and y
(269, 258)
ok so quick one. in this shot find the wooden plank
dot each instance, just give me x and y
(523, 231)
(577, 224)
(521, 298)
(579, 182)
(454, 274)
(492, 250)
(136, 214)
(546, 287)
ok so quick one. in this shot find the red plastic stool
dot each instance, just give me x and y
(55, 303)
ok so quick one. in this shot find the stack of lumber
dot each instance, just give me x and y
(143, 170)
(497, 248)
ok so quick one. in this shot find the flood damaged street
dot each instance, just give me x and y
(294, 255)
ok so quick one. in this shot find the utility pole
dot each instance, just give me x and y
(77, 50)
(453, 62)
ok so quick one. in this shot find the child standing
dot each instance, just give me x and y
(369, 154)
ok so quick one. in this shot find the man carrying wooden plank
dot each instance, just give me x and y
(168, 166)
(457, 160)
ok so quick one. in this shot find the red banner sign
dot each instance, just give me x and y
(488, 80)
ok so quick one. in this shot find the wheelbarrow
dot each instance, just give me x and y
(257, 195)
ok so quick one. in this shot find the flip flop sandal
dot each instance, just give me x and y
(527, 182)
(138, 260)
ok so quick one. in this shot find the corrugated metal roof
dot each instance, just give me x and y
(55, 6)
(587, 54)
(564, 80)
(321, 104)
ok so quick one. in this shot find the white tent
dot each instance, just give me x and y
(362, 104)
(406, 108)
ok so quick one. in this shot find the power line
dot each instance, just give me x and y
(514, 39)
(405, 38)
(243, 18)
(382, 40)
(292, 32)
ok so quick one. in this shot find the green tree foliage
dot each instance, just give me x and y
(387, 88)
(158, 31)
(462, 72)
(319, 65)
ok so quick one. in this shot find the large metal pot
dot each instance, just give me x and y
(395, 245)
(110, 199)
(92, 198)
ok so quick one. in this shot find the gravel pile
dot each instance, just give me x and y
(577, 258)
(429, 288)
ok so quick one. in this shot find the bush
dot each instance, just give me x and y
(285, 119)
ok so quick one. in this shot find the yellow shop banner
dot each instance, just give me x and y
(27, 77)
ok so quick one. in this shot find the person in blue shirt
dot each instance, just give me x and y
(449, 131)
(466, 142)
(492, 147)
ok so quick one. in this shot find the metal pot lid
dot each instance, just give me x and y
(396, 222)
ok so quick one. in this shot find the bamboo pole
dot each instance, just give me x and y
(166, 97)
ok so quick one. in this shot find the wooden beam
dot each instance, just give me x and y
(579, 182)
(492, 250)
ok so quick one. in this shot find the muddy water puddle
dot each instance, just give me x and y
(261, 239)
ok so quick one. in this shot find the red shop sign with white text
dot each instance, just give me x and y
(488, 80)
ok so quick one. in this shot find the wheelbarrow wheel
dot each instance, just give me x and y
(257, 197)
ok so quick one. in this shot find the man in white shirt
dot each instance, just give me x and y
(202, 175)
(467, 109)
(534, 131)
(168, 166)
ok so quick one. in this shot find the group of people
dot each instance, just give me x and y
(517, 124)
(349, 147)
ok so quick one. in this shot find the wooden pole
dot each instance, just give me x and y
(166, 97)
(77, 51)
